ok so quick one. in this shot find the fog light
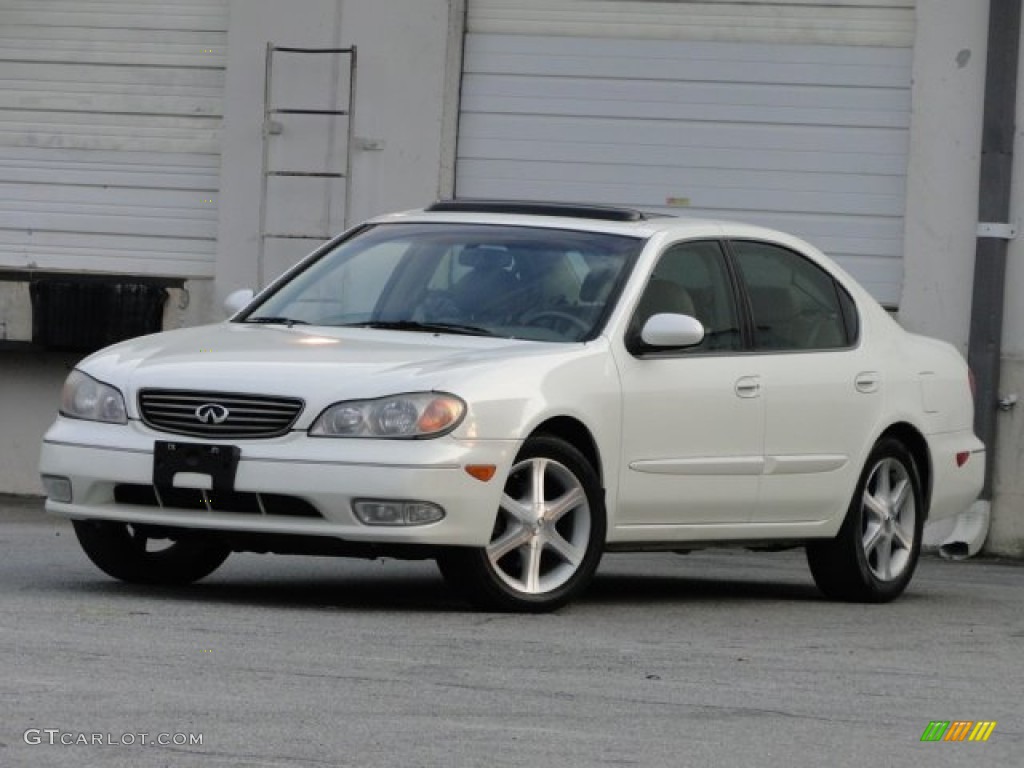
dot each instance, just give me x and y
(57, 488)
(385, 512)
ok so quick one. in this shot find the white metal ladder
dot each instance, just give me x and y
(274, 123)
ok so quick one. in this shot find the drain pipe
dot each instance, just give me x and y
(994, 232)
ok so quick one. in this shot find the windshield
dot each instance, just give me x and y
(488, 280)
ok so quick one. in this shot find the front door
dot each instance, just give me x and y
(693, 419)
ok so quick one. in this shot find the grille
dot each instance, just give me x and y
(215, 501)
(218, 414)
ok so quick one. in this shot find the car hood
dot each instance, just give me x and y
(321, 365)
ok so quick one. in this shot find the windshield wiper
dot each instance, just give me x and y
(414, 325)
(275, 321)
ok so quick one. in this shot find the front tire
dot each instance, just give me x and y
(122, 551)
(548, 535)
(873, 557)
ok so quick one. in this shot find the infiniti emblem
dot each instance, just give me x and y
(212, 413)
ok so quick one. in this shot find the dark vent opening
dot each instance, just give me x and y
(83, 315)
(219, 501)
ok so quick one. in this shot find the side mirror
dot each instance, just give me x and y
(667, 330)
(236, 301)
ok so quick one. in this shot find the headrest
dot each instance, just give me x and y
(773, 304)
(596, 285)
(485, 257)
(662, 296)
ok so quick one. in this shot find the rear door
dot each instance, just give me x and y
(821, 390)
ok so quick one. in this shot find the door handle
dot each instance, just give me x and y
(866, 382)
(748, 386)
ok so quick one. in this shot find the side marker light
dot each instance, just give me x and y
(482, 472)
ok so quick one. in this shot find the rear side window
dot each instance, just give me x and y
(796, 305)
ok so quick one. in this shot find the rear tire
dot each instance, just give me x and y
(548, 534)
(873, 557)
(121, 550)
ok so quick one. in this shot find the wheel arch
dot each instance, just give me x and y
(576, 433)
(915, 442)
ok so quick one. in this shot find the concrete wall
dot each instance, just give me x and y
(942, 176)
(1007, 533)
(944, 167)
(30, 383)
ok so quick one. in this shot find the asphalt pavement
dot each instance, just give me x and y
(721, 658)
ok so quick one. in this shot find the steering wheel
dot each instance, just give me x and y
(560, 322)
(437, 305)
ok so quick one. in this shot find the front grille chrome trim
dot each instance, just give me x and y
(249, 416)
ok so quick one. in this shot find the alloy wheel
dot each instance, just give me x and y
(543, 527)
(888, 520)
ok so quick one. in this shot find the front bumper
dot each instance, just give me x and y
(326, 473)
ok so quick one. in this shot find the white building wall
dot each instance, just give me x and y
(405, 76)
(408, 70)
(791, 115)
(810, 139)
(806, 22)
(110, 135)
(409, 55)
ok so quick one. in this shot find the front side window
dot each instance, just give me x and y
(692, 279)
(491, 280)
(796, 305)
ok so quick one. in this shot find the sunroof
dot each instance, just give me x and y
(525, 207)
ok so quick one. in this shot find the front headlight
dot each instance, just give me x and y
(418, 414)
(85, 398)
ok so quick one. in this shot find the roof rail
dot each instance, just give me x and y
(531, 208)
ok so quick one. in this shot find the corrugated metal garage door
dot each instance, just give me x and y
(110, 114)
(794, 115)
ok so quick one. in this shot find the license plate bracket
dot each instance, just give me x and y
(219, 462)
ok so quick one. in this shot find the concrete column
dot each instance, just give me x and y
(943, 167)
(1006, 536)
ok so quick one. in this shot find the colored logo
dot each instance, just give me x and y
(958, 730)
(212, 413)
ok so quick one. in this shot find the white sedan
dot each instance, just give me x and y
(514, 389)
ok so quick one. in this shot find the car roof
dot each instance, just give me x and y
(580, 217)
(620, 221)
